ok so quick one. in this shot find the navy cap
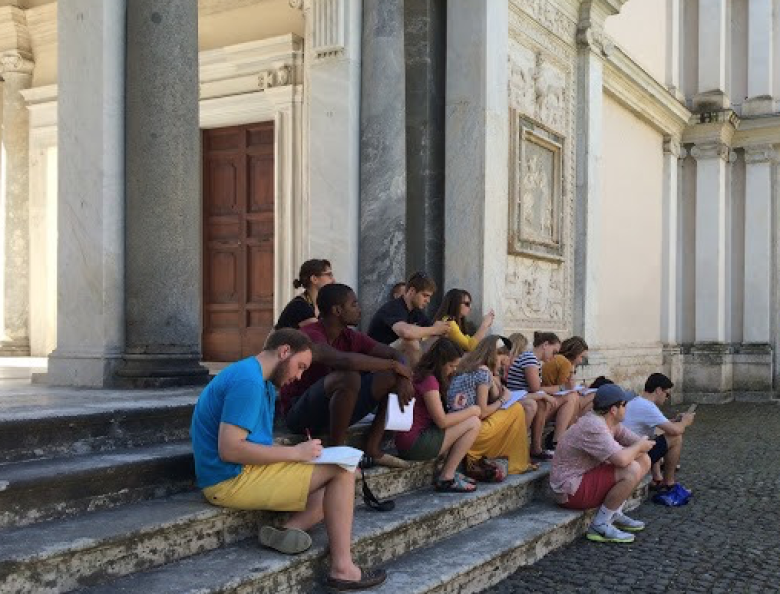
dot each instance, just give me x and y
(609, 395)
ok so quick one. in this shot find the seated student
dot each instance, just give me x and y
(503, 433)
(302, 310)
(454, 309)
(506, 357)
(350, 376)
(434, 431)
(560, 370)
(239, 467)
(525, 374)
(398, 290)
(599, 463)
(402, 323)
(643, 417)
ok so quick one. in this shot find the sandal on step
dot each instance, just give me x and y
(366, 461)
(369, 578)
(454, 485)
(373, 503)
(468, 479)
(543, 455)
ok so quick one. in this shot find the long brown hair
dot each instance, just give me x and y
(432, 362)
(573, 347)
(486, 353)
(450, 307)
(541, 337)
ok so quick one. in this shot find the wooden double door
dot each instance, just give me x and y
(238, 240)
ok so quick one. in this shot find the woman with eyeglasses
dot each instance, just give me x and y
(454, 309)
(302, 310)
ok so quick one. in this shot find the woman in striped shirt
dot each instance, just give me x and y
(525, 373)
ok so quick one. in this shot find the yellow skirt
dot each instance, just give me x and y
(503, 435)
(283, 486)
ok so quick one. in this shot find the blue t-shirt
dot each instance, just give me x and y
(238, 396)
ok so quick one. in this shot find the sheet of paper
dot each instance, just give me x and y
(576, 388)
(515, 396)
(589, 391)
(397, 420)
(344, 456)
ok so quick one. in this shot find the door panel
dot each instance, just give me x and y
(238, 228)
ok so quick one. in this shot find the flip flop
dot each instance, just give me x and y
(369, 578)
(289, 541)
(454, 485)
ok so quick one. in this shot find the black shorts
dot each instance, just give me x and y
(311, 410)
(659, 450)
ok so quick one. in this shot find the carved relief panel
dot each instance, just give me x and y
(542, 101)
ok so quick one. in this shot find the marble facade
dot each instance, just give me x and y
(474, 140)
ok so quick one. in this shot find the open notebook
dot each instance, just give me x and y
(344, 456)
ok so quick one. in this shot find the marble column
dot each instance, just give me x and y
(477, 151)
(90, 214)
(16, 68)
(588, 212)
(714, 55)
(760, 58)
(163, 224)
(670, 241)
(382, 257)
(711, 191)
(332, 88)
(426, 63)
(758, 243)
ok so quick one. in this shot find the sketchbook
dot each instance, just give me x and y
(397, 420)
(344, 456)
(515, 396)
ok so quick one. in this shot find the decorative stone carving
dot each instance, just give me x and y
(549, 16)
(711, 150)
(764, 153)
(328, 28)
(16, 61)
(537, 293)
(281, 77)
(299, 4)
(537, 87)
(672, 147)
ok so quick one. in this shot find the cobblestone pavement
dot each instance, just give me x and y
(726, 540)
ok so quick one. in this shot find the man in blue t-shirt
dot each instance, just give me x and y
(238, 466)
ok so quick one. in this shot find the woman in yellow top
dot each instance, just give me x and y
(455, 307)
(560, 370)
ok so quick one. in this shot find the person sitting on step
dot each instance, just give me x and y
(560, 370)
(503, 432)
(351, 375)
(436, 432)
(506, 357)
(238, 466)
(402, 323)
(525, 374)
(302, 310)
(644, 417)
(454, 310)
(398, 290)
(599, 463)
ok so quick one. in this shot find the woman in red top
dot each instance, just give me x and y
(434, 431)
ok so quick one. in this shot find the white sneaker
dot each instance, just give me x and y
(608, 533)
(623, 522)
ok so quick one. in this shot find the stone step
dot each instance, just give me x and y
(38, 490)
(60, 555)
(48, 425)
(420, 519)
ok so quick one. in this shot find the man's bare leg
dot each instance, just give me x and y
(672, 458)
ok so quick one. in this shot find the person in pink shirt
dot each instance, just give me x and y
(599, 463)
(434, 431)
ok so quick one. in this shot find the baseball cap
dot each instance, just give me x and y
(609, 395)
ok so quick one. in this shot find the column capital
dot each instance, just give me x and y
(673, 147)
(590, 28)
(762, 153)
(14, 61)
(303, 5)
(711, 150)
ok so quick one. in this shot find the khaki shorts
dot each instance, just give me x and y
(283, 486)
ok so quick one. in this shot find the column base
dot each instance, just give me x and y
(82, 371)
(761, 105)
(711, 101)
(15, 348)
(753, 373)
(708, 373)
(673, 363)
(161, 371)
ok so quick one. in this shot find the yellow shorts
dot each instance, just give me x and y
(283, 486)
